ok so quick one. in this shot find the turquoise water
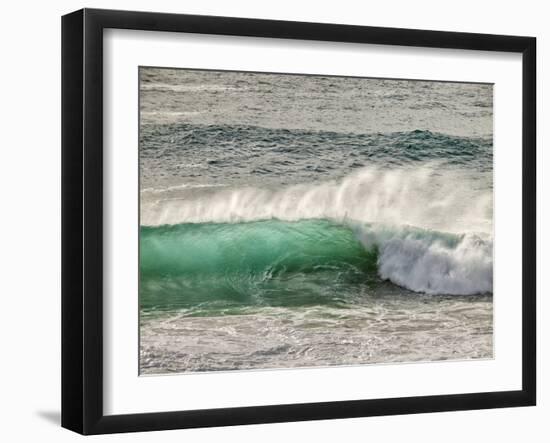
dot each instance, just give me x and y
(293, 221)
(267, 263)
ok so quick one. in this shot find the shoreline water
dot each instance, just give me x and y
(445, 328)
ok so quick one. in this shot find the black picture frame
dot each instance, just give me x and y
(82, 220)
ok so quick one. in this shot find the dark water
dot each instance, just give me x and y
(243, 155)
(303, 221)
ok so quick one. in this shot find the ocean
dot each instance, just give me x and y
(302, 221)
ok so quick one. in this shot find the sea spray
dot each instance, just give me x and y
(423, 197)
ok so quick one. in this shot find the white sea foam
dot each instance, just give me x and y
(429, 262)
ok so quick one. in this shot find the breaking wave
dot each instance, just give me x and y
(420, 260)
(429, 231)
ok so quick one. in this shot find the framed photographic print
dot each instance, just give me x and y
(269, 221)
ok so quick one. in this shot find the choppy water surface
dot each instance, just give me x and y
(296, 221)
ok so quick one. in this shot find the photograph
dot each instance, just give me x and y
(298, 221)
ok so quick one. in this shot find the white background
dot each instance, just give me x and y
(30, 220)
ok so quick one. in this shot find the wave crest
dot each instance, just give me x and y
(453, 201)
